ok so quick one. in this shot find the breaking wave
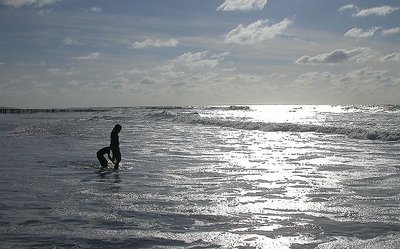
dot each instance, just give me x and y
(171, 108)
(166, 107)
(230, 108)
(355, 133)
(372, 108)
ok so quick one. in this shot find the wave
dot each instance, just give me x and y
(229, 108)
(355, 133)
(174, 116)
(166, 107)
(222, 107)
(351, 108)
(372, 108)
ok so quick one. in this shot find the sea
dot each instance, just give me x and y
(256, 176)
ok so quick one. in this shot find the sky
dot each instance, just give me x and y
(80, 53)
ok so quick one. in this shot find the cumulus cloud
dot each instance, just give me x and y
(256, 32)
(70, 41)
(63, 71)
(196, 60)
(312, 79)
(391, 31)
(191, 68)
(391, 57)
(377, 11)
(21, 3)
(117, 82)
(155, 43)
(337, 56)
(359, 33)
(368, 74)
(133, 71)
(348, 7)
(95, 9)
(364, 76)
(232, 5)
(91, 56)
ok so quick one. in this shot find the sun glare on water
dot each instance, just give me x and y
(273, 177)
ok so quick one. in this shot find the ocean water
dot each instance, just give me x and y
(203, 177)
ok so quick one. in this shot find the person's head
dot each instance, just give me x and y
(117, 128)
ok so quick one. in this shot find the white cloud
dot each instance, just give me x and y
(20, 3)
(133, 71)
(41, 84)
(188, 69)
(232, 5)
(63, 71)
(360, 54)
(359, 33)
(196, 60)
(218, 56)
(95, 9)
(367, 74)
(256, 32)
(70, 41)
(366, 78)
(54, 70)
(156, 43)
(91, 56)
(391, 31)
(313, 79)
(391, 57)
(377, 11)
(348, 7)
(44, 12)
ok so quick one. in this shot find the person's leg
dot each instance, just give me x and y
(117, 157)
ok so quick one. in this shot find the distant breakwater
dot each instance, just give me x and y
(7, 110)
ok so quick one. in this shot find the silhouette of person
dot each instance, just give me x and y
(114, 146)
(100, 156)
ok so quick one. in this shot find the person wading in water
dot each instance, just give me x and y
(114, 146)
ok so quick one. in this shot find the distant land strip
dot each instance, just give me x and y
(11, 110)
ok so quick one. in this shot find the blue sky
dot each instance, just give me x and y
(67, 53)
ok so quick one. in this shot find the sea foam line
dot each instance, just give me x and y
(356, 133)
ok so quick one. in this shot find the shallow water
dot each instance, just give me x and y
(203, 177)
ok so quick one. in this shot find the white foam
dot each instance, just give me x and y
(355, 133)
